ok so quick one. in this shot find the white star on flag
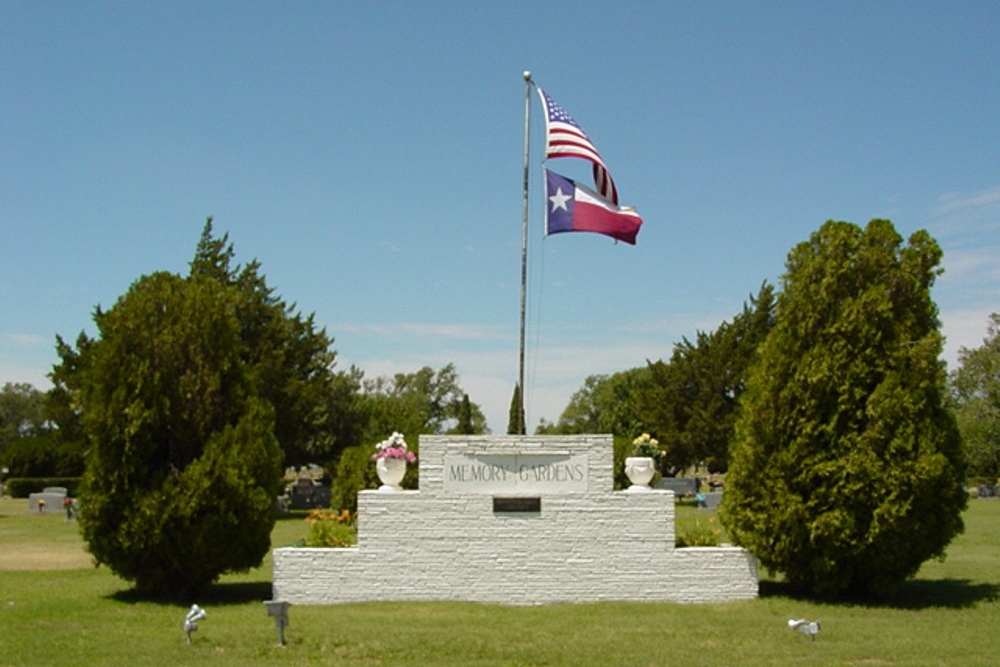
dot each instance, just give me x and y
(559, 200)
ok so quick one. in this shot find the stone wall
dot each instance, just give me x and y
(456, 538)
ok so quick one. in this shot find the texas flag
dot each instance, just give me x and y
(570, 207)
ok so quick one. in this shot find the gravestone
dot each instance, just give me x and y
(52, 498)
(710, 500)
(308, 494)
(516, 520)
(681, 486)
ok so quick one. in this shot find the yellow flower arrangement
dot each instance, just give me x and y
(647, 446)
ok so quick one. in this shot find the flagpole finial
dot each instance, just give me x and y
(526, 74)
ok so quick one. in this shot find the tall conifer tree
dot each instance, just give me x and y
(847, 470)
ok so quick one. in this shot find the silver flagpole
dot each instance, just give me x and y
(524, 253)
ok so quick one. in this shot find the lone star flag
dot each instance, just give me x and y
(570, 207)
(564, 138)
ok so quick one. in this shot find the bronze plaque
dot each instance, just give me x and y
(517, 504)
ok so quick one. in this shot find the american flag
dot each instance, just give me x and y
(565, 138)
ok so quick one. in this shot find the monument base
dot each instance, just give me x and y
(517, 521)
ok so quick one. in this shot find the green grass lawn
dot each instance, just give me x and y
(59, 610)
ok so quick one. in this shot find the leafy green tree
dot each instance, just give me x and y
(426, 401)
(31, 445)
(22, 413)
(63, 398)
(423, 402)
(691, 401)
(184, 465)
(605, 404)
(847, 470)
(668, 405)
(975, 388)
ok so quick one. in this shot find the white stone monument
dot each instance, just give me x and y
(517, 520)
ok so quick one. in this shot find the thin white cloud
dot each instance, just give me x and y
(24, 341)
(961, 209)
(972, 262)
(26, 358)
(965, 327)
(411, 330)
(967, 225)
(18, 372)
(972, 274)
(683, 324)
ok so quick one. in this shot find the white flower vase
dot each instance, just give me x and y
(391, 472)
(640, 471)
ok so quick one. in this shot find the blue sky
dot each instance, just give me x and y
(369, 154)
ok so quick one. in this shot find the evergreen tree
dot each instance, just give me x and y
(194, 390)
(692, 399)
(289, 360)
(464, 425)
(847, 470)
(515, 416)
(184, 465)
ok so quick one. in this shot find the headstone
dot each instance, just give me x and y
(681, 486)
(51, 498)
(710, 500)
(281, 504)
(306, 494)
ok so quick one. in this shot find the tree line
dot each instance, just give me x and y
(826, 401)
(690, 401)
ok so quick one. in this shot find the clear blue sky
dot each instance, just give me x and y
(369, 155)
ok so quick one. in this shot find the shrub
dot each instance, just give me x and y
(43, 456)
(707, 534)
(190, 526)
(622, 450)
(331, 529)
(355, 471)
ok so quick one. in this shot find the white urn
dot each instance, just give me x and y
(640, 471)
(390, 472)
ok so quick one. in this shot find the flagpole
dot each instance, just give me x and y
(524, 252)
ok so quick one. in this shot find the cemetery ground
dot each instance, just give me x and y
(57, 609)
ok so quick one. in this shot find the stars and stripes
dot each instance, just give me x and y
(565, 138)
